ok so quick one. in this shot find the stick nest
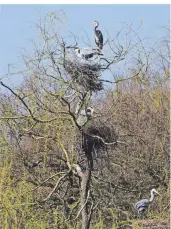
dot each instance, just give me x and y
(96, 137)
(84, 74)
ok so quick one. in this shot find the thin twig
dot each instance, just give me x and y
(53, 190)
(54, 175)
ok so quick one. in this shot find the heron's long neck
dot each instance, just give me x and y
(95, 28)
(152, 197)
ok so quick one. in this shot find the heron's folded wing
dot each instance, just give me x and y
(100, 36)
(142, 204)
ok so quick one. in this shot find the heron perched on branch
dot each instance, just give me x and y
(98, 36)
(142, 205)
(84, 114)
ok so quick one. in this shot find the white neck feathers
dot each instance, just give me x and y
(152, 195)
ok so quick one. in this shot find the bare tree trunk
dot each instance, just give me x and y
(84, 198)
(85, 190)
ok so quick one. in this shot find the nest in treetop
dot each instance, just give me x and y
(86, 75)
(99, 136)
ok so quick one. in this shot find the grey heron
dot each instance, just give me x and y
(98, 35)
(142, 205)
(86, 53)
(84, 114)
(82, 54)
(89, 112)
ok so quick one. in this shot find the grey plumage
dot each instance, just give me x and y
(83, 115)
(85, 53)
(98, 36)
(89, 112)
(142, 205)
(82, 54)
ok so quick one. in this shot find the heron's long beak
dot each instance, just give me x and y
(95, 112)
(158, 193)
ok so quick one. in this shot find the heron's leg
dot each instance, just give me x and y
(138, 215)
(144, 215)
(98, 59)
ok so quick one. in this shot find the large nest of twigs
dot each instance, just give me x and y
(85, 74)
(98, 137)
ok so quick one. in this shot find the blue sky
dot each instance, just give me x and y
(17, 24)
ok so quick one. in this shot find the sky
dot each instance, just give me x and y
(17, 25)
